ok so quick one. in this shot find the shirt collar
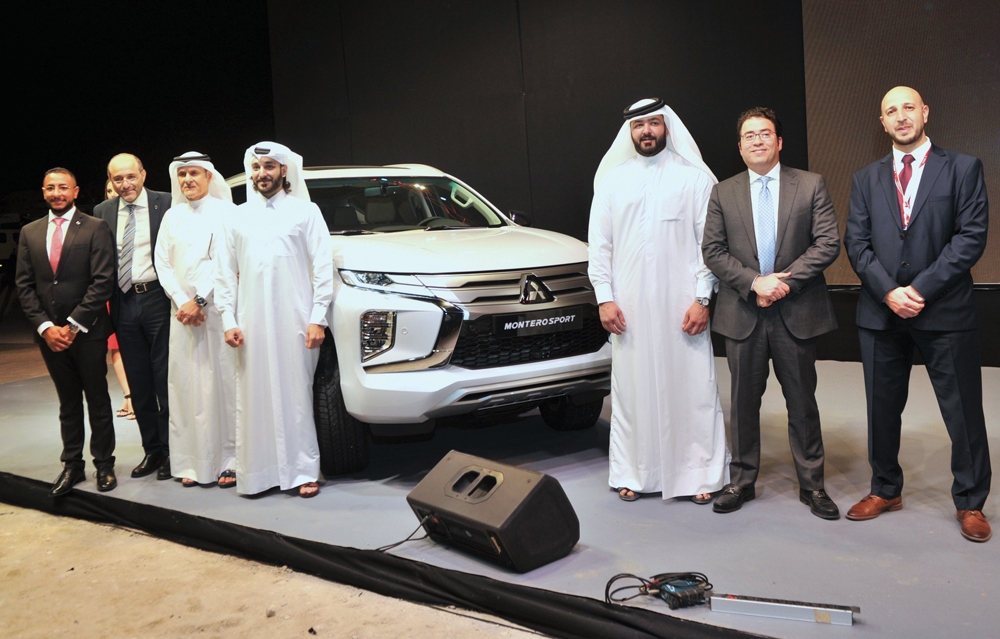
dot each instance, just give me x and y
(68, 215)
(141, 202)
(918, 153)
(773, 173)
(275, 201)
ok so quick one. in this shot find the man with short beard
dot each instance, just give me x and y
(202, 371)
(140, 311)
(273, 288)
(64, 294)
(917, 226)
(646, 222)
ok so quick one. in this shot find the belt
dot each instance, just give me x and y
(145, 287)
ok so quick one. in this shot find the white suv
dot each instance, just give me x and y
(445, 312)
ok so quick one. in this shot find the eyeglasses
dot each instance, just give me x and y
(765, 136)
(118, 181)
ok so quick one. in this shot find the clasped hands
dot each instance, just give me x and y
(904, 301)
(58, 338)
(770, 288)
(314, 336)
(190, 314)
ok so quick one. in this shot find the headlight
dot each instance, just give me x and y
(385, 282)
(378, 332)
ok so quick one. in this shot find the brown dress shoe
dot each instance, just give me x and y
(974, 525)
(872, 506)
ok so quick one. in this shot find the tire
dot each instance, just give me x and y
(344, 442)
(562, 415)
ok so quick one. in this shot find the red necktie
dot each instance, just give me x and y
(57, 241)
(904, 179)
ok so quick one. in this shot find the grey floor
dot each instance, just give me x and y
(911, 572)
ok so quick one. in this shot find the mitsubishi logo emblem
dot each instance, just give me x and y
(534, 291)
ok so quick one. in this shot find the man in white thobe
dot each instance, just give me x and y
(201, 385)
(274, 286)
(650, 199)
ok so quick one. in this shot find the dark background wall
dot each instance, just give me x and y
(84, 81)
(522, 99)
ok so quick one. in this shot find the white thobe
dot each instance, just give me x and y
(283, 256)
(201, 374)
(646, 226)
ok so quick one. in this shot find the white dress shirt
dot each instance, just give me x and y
(142, 255)
(919, 156)
(49, 232)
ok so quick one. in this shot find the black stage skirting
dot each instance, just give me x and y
(842, 344)
(553, 613)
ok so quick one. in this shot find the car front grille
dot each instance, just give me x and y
(477, 347)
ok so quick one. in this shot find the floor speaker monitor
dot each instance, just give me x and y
(514, 517)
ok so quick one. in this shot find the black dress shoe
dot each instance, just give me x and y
(106, 479)
(148, 465)
(163, 473)
(732, 498)
(819, 503)
(69, 477)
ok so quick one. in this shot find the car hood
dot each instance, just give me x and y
(457, 251)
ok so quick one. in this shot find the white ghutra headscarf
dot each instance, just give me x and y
(679, 139)
(282, 155)
(217, 187)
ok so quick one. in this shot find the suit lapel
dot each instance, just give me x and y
(743, 207)
(936, 161)
(788, 186)
(888, 183)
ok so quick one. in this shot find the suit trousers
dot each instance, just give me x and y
(953, 365)
(143, 329)
(795, 367)
(77, 372)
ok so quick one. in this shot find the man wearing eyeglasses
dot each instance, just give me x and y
(769, 234)
(140, 310)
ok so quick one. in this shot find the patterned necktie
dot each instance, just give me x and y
(57, 241)
(128, 245)
(766, 226)
(904, 180)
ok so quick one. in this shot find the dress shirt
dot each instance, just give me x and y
(49, 232)
(142, 255)
(919, 155)
(755, 188)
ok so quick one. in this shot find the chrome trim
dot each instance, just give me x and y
(502, 395)
(444, 346)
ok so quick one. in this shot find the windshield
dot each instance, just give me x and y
(387, 205)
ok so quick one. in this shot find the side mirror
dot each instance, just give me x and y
(519, 217)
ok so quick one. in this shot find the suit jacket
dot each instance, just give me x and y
(82, 283)
(807, 243)
(107, 210)
(934, 255)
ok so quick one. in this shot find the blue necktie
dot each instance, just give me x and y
(766, 226)
(128, 246)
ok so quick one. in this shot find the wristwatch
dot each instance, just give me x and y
(703, 301)
(200, 301)
(74, 328)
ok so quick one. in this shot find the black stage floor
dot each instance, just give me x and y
(910, 572)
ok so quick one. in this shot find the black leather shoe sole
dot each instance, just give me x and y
(830, 512)
(728, 502)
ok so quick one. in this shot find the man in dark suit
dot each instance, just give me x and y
(917, 225)
(65, 275)
(772, 302)
(140, 310)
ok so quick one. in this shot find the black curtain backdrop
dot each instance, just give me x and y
(521, 99)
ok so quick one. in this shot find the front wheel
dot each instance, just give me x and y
(344, 442)
(561, 414)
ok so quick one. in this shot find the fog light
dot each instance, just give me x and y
(378, 332)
